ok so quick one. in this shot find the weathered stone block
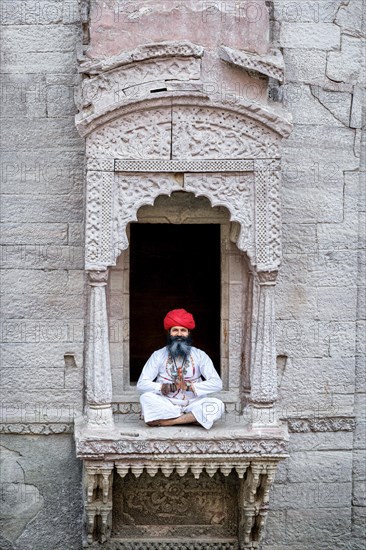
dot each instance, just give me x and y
(244, 25)
(47, 12)
(321, 152)
(42, 256)
(50, 208)
(311, 495)
(39, 38)
(305, 65)
(316, 376)
(33, 62)
(304, 337)
(60, 96)
(350, 18)
(57, 282)
(67, 399)
(357, 105)
(307, 11)
(76, 234)
(312, 36)
(23, 96)
(330, 527)
(296, 302)
(359, 461)
(358, 527)
(40, 134)
(46, 172)
(321, 441)
(41, 346)
(339, 236)
(310, 204)
(298, 239)
(327, 268)
(48, 307)
(337, 303)
(359, 493)
(354, 192)
(348, 64)
(33, 233)
(337, 102)
(38, 378)
(312, 105)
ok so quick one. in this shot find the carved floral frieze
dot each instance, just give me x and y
(329, 424)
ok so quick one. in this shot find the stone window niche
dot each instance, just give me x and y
(183, 214)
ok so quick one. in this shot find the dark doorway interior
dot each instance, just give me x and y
(173, 266)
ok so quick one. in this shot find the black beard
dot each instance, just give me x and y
(179, 345)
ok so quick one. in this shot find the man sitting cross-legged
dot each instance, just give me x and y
(173, 391)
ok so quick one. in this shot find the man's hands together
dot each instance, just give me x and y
(178, 385)
(167, 388)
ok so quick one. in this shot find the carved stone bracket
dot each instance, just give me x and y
(98, 481)
(270, 65)
(254, 499)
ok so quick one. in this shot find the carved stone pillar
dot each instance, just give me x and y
(264, 370)
(98, 366)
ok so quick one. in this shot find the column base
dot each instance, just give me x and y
(99, 415)
(261, 415)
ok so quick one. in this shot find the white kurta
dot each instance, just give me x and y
(160, 369)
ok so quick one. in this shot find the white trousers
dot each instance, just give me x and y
(206, 410)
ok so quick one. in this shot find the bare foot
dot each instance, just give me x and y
(188, 418)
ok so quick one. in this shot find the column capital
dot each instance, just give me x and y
(97, 278)
(267, 277)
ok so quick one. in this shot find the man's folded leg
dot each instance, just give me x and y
(206, 410)
(158, 407)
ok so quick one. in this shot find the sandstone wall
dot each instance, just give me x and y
(319, 497)
(43, 300)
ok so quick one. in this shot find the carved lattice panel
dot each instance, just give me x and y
(168, 507)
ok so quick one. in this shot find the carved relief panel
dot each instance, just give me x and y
(164, 507)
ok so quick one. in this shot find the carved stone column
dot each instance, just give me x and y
(98, 366)
(264, 370)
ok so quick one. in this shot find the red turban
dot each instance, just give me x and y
(179, 318)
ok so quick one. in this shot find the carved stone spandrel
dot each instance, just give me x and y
(131, 192)
(133, 136)
(234, 191)
(214, 133)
